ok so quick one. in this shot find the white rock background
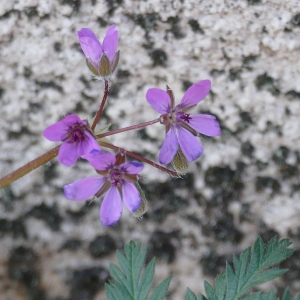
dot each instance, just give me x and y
(249, 49)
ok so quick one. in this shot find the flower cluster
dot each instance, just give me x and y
(117, 180)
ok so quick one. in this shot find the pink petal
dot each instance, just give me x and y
(131, 196)
(195, 93)
(190, 145)
(83, 189)
(111, 29)
(205, 124)
(111, 207)
(67, 154)
(159, 100)
(90, 45)
(132, 167)
(169, 147)
(86, 32)
(110, 42)
(71, 120)
(87, 145)
(100, 160)
(56, 132)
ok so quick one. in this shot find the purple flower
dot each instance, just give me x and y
(76, 137)
(117, 182)
(183, 128)
(101, 59)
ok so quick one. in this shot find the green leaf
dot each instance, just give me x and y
(251, 268)
(221, 286)
(210, 293)
(287, 294)
(254, 296)
(190, 295)
(130, 282)
(146, 281)
(161, 290)
(112, 293)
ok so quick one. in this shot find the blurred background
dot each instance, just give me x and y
(245, 184)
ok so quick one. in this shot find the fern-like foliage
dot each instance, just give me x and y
(251, 268)
(130, 283)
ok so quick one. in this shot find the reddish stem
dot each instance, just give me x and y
(41, 160)
(136, 156)
(137, 126)
(99, 113)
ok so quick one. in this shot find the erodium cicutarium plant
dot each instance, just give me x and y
(115, 179)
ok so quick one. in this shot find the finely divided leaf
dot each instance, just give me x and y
(161, 290)
(130, 282)
(251, 268)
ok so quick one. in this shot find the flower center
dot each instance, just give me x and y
(115, 176)
(186, 118)
(77, 134)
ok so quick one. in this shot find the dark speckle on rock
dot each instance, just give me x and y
(175, 29)
(49, 215)
(253, 2)
(234, 74)
(263, 182)
(16, 228)
(261, 165)
(280, 155)
(57, 46)
(296, 19)
(163, 245)
(247, 149)
(246, 120)
(293, 265)
(75, 4)
(31, 12)
(159, 57)
(222, 228)
(147, 21)
(102, 245)
(86, 208)
(248, 61)
(113, 5)
(265, 232)
(293, 94)
(273, 127)
(8, 198)
(195, 26)
(22, 265)
(50, 171)
(216, 73)
(72, 245)
(166, 192)
(50, 84)
(142, 134)
(123, 74)
(102, 22)
(288, 171)
(266, 82)
(225, 182)
(27, 72)
(186, 84)
(37, 293)
(86, 282)
(213, 263)
(114, 90)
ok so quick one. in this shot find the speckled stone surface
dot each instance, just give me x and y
(245, 184)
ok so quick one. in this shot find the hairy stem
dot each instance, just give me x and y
(99, 113)
(41, 160)
(137, 126)
(136, 156)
